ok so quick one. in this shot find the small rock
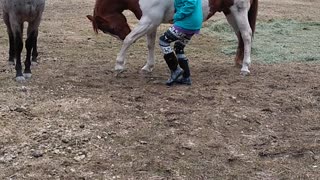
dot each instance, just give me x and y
(65, 140)
(267, 110)
(20, 109)
(24, 89)
(69, 150)
(56, 151)
(188, 145)
(37, 154)
(79, 158)
(143, 142)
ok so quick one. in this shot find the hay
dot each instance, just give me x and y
(274, 41)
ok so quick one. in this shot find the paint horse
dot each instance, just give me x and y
(15, 13)
(108, 17)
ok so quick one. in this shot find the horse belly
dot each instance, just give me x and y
(159, 11)
(27, 10)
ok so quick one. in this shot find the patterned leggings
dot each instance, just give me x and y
(181, 40)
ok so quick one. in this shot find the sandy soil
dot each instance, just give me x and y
(76, 120)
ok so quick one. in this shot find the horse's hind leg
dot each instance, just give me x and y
(11, 39)
(35, 49)
(31, 46)
(240, 49)
(240, 13)
(142, 29)
(151, 39)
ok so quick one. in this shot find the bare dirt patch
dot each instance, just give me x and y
(76, 120)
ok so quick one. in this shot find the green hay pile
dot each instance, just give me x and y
(274, 41)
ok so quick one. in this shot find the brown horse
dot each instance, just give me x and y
(108, 17)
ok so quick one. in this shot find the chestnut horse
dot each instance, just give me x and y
(15, 13)
(108, 17)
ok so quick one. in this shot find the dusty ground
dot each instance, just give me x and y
(76, 120)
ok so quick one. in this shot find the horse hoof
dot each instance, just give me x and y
(147, 69)
(20, 79)
(119, 68)
(118, 72)
(27, 75)
(33, 63)
(245, 73)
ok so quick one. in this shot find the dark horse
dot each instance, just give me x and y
(108, 17)
(15, 13)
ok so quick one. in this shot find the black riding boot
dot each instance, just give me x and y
(172, 63)
(185, 79)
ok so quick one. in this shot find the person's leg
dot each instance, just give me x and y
(183, 60)
(168, 37)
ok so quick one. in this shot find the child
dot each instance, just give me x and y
(187, 21)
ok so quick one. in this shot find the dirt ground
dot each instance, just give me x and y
(76, 120)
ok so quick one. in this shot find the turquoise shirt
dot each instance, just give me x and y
(188, 14)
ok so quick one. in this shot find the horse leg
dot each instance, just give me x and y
(151, 39)
(240, 11)
(11, 39)
(35, 26)
(240, 49)
(143, 27)
(34, 60)
(29, 47)
(17, 29)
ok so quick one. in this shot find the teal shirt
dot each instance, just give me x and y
(188, 14)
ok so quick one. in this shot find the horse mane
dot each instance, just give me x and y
(95, 26)
(94, 23)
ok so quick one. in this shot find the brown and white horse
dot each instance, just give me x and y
(108, 17)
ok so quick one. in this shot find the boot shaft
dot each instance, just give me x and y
(171, 61)
(184, 64)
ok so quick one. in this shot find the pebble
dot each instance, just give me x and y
(79, 158)
(65, 140)
(37, 154)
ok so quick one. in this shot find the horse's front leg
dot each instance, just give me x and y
(240, 49)
(240, 13)
(151, 39)
(134, 35)
(11, 39)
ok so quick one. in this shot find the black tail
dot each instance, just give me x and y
(252, 15)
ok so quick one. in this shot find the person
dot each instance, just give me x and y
(187, 21)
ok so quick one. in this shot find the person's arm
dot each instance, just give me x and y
(185, 11)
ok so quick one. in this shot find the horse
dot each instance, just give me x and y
(109, 18)
(15, 13)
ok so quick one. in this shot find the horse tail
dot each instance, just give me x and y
(252, 15)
